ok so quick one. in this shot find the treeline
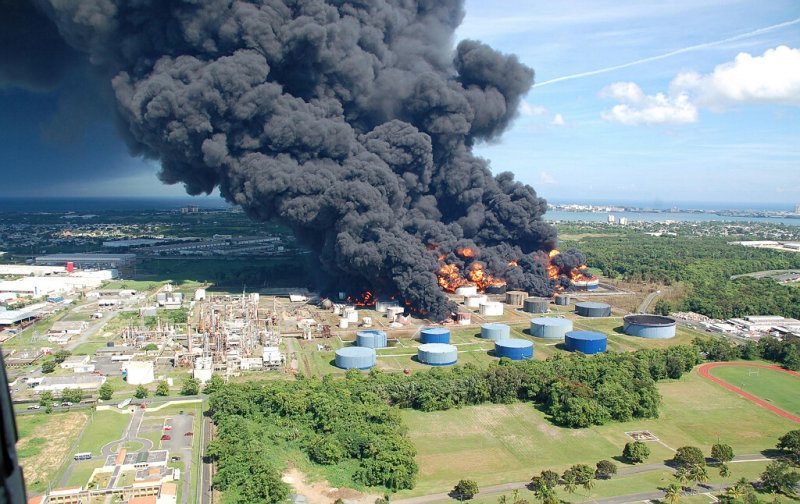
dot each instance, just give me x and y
(705, 265)
(785, 352)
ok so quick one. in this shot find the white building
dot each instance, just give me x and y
(74, 361)
(58, 384)
(139, 372)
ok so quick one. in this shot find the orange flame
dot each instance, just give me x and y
(511, 264)
(366, 298)
(466, 252)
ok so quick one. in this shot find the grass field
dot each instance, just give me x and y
(776, 387)
(81, 472)
(496, 444)
(105, 427)
(44, 442)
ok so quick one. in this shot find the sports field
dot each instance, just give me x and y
(776, 387)
(496, 444)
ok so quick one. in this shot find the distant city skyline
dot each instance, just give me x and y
(677, 102)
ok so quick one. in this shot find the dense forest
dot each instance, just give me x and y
(705, 264)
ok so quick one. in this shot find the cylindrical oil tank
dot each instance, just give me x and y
(355, 358)
(382, 306)
(587, 342)
(495, 331)
(590, 309)
(437, 354)
(535, 305)
(371, 339)
(649, 326)
(475, 300)
(466, 290)
(515, 298)
(563, 300)
(550, 327)
(434, 335)
(496, 289)
(464, 318)
(513, 348)
(588, 285)
(343, 323)
(491, 309)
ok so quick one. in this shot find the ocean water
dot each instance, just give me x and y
(684, 205)
(662, 217)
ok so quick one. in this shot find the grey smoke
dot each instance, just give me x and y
(351, 122)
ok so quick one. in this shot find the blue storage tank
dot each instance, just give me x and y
(587, 342)
(355, 358)
(590, 309)
(437, 354)
(649, 326)
(550, 327)
(513, 348)
(371, 339)
(434, 335)
(495, 331)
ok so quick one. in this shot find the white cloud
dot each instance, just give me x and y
(773, 77)
(546, 178)
(558, 120)
(640, 108)
(528, 110)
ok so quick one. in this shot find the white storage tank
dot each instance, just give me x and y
(437, 354)
(495, 331)
(382, 306)
(343, 323)
(466, 290)
(491, 309)
(355, 358)
(139, 372)
(371, 339)
(550, 327)
(475, 300)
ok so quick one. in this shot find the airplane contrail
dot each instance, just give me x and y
(668, 54)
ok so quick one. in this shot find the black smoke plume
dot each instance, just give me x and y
(352, 122)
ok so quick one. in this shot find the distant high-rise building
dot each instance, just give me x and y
(623, 221)
(612, 219)
(797, 208)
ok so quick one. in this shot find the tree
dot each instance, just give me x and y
(722, 453)
(605, 469)
(72, 395)
(105, 391)
(779, 478)
(546, 495)
(724, 470)
(162, 388)
(550, 478)
(150, 347)
(466, 489)
(682, 475)
(191, 386)
(580, 474)
(698, 473)
(48, 366)
(46, 399)
(663, 307)
(215, 384)
(60, 356)
(790, 442)
(141, 392)
(570, 482)
(636, 452)
(689, 456)
(673, 493)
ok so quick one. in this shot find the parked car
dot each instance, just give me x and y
(190, 433)
(165, 438)
(167, 427)
(35, 406)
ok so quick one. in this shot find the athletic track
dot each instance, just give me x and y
(705, 373)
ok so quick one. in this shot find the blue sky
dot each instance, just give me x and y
(660, 102)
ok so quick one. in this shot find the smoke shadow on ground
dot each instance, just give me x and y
(619, 330)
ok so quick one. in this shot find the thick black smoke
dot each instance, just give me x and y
(351, 121)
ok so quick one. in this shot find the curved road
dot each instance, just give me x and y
(705, 372)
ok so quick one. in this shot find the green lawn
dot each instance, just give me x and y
(105, 427)
(496, 444)
(775, 387)
(82, 471)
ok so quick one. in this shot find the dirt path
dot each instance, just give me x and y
(705, 372)
(322, 493)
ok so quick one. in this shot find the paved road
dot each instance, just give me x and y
(205, 467)
(90, 331)
(646, 303)
(625, 471)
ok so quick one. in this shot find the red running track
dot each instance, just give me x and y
(704, 371)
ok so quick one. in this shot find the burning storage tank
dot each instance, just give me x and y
(355, 358)
(491, 309)
(513, 348)
(437, 354)
(495, 331)
(467, 290)
(563, 300)
(475, 300)
(591, 309)
(586, 284)
(515, 298)
(371, 339)
(649, 326)
(587, 342)
(535, 305)
(550, 327)
(434, 335)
